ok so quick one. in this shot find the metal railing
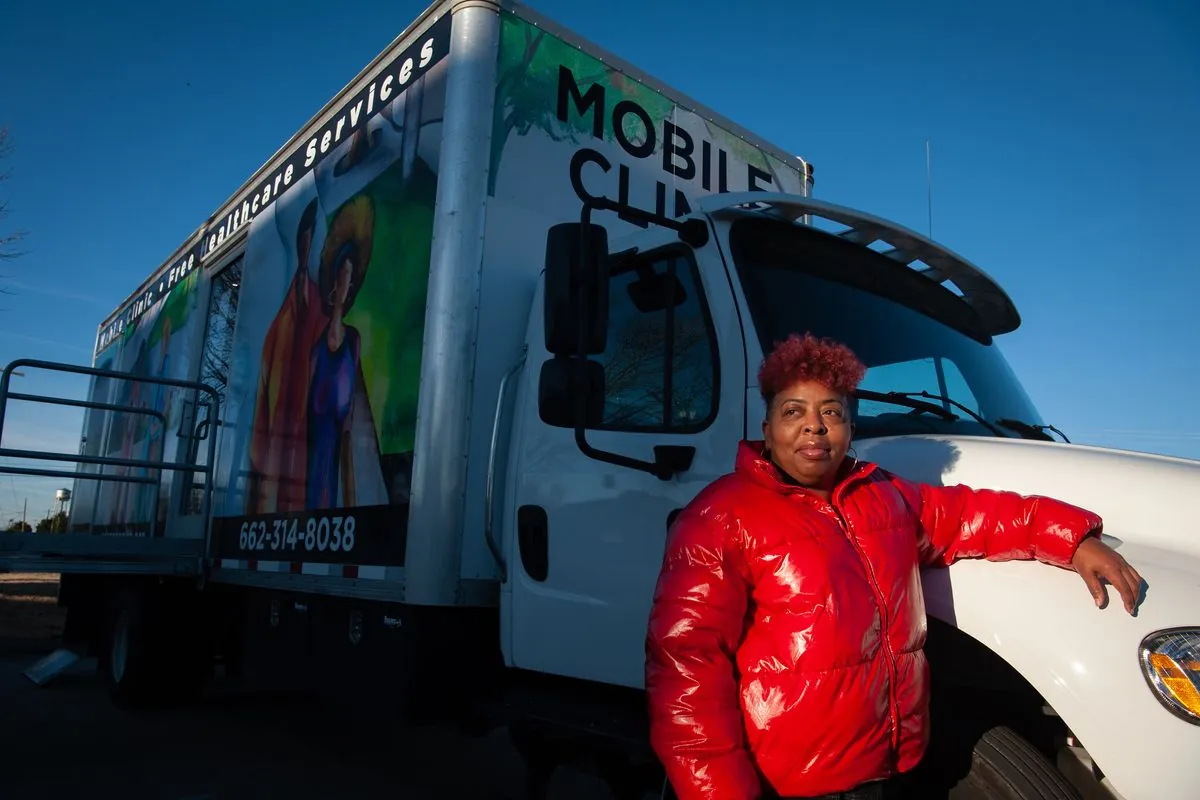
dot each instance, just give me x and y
(188, 465)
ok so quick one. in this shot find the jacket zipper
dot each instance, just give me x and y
(889, 656)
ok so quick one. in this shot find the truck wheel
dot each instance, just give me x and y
(539, 758)
(1004, 766)
(154, 653)
(129, 663)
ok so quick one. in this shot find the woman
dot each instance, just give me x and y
(784, 651)
(335, 364)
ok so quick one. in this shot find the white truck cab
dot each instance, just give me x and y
(585, 510)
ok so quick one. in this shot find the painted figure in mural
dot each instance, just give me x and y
(279, 440)
(155, 448)
(131, 428)
(335, 364)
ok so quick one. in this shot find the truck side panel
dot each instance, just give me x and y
(568, 124)
(160, 342)
(315, 457)
(387, 74)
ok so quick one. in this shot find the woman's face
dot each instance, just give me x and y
(808, 431)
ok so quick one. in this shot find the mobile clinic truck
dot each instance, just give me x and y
(412, 413)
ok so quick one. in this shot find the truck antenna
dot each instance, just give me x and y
(929, 186)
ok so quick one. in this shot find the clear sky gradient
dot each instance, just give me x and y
(1065, 139)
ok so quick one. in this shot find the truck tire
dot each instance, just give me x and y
(129, 663)
(1004, 766)
(152, 655)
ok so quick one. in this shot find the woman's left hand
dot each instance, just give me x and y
(1094, 560)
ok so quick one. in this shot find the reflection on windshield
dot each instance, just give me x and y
(799, 280)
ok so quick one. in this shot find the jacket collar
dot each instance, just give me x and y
(753, 464)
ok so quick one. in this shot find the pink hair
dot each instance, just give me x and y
(807, 358)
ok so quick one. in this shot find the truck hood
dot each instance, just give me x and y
(1143, 498)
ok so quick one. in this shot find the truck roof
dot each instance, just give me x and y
(191, 254)
(933, 262)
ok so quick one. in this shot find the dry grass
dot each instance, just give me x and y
(29, 607)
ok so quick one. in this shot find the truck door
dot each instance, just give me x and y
(198, 426)
(584, 538)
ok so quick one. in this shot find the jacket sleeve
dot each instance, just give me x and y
(958, 522)
(696, 624)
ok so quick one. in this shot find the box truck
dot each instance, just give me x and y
(410, 416)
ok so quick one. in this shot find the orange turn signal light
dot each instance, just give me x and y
(1171, 663)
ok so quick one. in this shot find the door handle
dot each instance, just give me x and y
(533, 540)
(202, 425)
(187, 420)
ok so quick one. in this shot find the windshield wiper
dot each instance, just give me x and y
(902, 399)
(1025, 429)
(974, 414)
(1032, 431)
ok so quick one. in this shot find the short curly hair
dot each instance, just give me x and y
(807, 358)
(351, 237)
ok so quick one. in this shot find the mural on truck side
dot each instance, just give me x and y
(316, 452)
(159, 344)
(598, 131)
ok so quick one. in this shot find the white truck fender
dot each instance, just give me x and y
(1083, 660)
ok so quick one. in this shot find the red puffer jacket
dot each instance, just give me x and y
(785, 636)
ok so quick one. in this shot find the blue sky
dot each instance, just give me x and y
(1064, 142)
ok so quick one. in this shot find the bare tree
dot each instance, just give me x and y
(217, 360)
(635, 385)
(9, 240)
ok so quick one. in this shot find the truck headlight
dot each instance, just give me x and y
(1171, 663)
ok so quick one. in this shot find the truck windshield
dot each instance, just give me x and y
(914, 335)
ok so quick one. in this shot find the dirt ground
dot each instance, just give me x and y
(67, 740)
(30, 618)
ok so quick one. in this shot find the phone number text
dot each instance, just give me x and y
(317, 534)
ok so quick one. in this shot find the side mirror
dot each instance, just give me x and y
(576, 297)
(565, 382)
(575, 313)
(654, 292)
